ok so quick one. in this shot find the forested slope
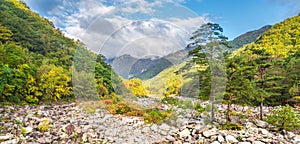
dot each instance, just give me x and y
(36, 58)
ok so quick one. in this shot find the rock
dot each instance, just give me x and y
(146, 130)
(44, 140)
(221, 138)
(28, 129)
(297, 139)
(261, 124)
(5, 137)
(164, 127)
(202, 129)
(257, 142)
(231, 139)
(154, 127)
(290, 135)
(184, 133)
(215, 142)
(170, 138)
(264, 131)
(13, 141)
(244, 143)
(164, 133)
(69, 129)
(267, 140)
(250, 125)
(178, 142)
(210, 133)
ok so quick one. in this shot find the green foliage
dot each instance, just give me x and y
(157, 116)
(231, 126)
(36, 60)
(199, 108)
(170, 100)
(23, 131)
(285, 118)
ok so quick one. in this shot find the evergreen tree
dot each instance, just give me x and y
(208, 45)
(266, 84)
(239, 85)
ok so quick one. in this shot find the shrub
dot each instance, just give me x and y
(44, 125)
(156, 116)
(199, 108)
(285, 118)
(231, 126)
(185, 104)
(170, 100)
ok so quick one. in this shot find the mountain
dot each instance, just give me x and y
(123, 64)
(38, 63)
(146, 68)
(248, 37)
(128, 66)
(281, 40)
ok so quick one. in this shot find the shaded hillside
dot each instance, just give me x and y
(248, 37)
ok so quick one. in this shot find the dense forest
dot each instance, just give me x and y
(37, 60)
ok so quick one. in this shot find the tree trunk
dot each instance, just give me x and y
(261, 110)
(213, 107)
(229, 109)
(213, 111)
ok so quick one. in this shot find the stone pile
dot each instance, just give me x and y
(69, 123)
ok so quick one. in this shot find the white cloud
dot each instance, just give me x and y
(102, 27)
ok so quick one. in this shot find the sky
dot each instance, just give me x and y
(144, 28)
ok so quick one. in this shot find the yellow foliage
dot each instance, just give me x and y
(136, 87)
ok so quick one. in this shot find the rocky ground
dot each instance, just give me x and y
(69, 123)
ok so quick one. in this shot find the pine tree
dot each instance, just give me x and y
(239, 85)
(208, 45)
(266, 84)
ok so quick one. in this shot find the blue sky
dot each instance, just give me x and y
(155, 27)
(240, 16)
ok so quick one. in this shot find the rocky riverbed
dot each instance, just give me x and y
(69, 123)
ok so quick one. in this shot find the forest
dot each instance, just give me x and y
(36, 59)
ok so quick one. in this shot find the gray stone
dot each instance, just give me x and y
(264, 131)
(170, 138)
(154, 127)
(215, 142)
(164, 133)
(13, 141)
(297, 138)
(261, 124)
(164, 127)
(184, 133)
(267, 140)
(231, 139)
(210, 133)
(257, 142)
(146, 130)
(178, 142)
(5, 137)
(221, 138)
